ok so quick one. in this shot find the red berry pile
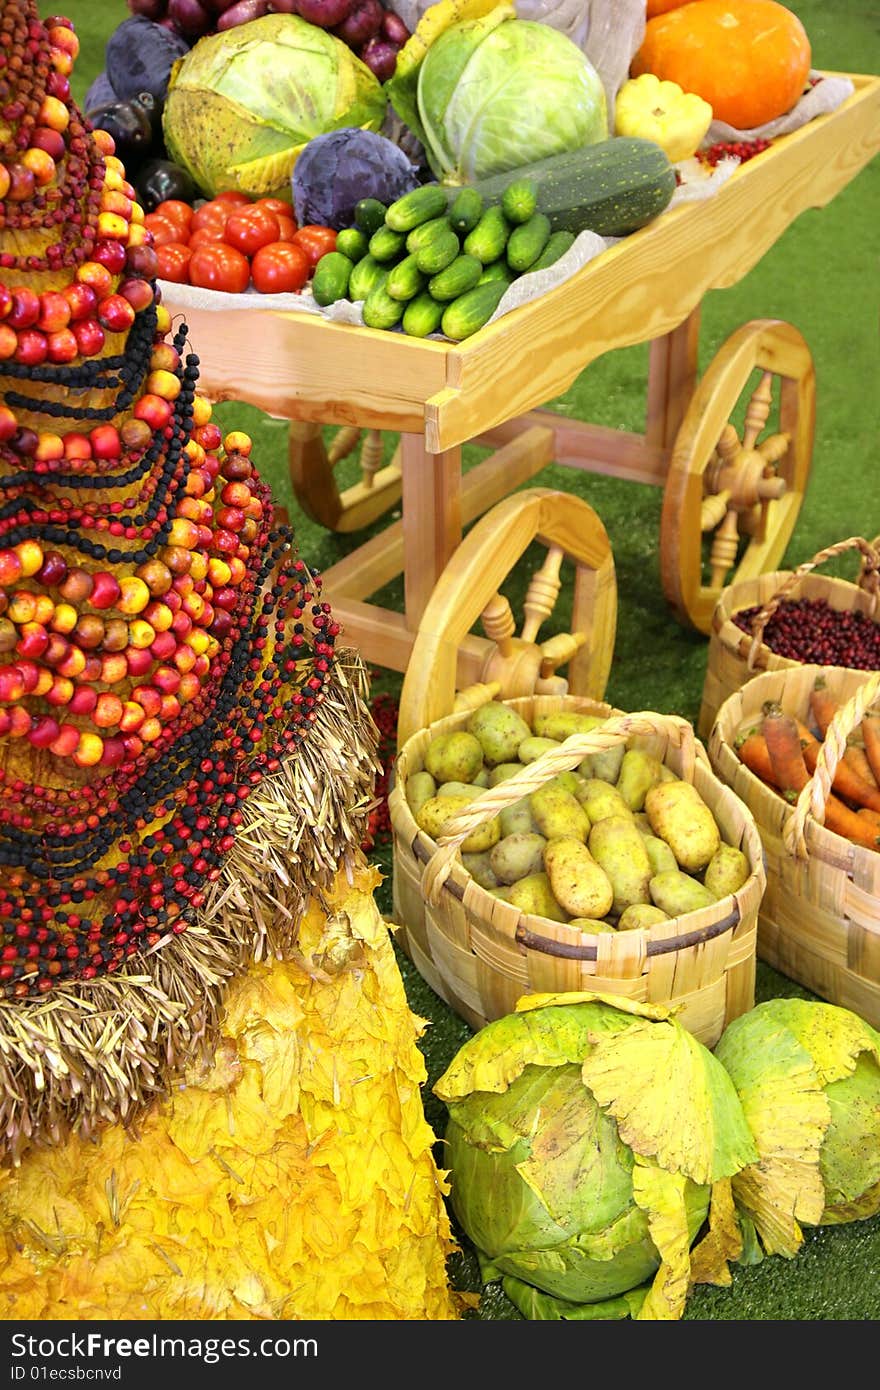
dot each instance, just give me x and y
(811, 631)
(384, 711)
(742, 150)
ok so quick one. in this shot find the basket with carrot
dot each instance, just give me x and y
(792, 617)
(801, 747)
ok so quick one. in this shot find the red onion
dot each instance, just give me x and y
(380, 57)
(325, 13)
(150, 9)
(284, 6)
(361, 25)
(191, 18)
(394, 29)
(241, 12)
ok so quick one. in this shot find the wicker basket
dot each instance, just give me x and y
(819, 921)
(734, 655)
(480, 953)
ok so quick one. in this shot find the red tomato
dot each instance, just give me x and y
(315, 241)
(173, 262)
(216, 266)
(232, 199)
(287, 226)
(209, 214)
(212, 232)
(276, 205)
(250, 229)
(177, 211)
(163, 230)
(282, 267)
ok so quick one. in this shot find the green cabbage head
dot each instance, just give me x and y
(498, 92)
(808, 1076)
(242, 104)
(589, 1139)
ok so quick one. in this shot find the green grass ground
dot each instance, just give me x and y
(822, 277)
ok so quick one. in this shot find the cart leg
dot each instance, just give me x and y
(672, 380)
(431, 519)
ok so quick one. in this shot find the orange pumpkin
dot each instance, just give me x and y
(661, 6)
(749, 59)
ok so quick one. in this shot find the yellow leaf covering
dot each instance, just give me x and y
(293, 1178)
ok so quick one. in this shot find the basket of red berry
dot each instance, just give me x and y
(790, 618)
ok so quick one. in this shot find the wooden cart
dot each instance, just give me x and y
(743, 489)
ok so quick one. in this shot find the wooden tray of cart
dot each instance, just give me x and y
(438, 395)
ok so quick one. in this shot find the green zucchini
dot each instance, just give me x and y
(460, 275)
(369, 215)
(405, 280)
(353, 243)
(421, 205)
(527, 241)
(465, 210)
(386, 244)
(557, 245)
(422, 315)
(489, 238)
(612, 187)
(366, 275)
(439, 252)
(380, 310)
(331, 278)
(519, 200)
(471, 310)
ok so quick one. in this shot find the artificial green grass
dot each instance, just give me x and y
(821, 276)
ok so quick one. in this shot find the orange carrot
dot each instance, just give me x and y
(754, 753)
(871, 735)
(780, 732)
(857, 758)
(846, 783)
(870, 817)
(823, 705)
(852, 825)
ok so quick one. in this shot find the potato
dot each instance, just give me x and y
(592, 925)
(531, 748)
(568, 781)
(482, 778)
(577, 881)
(534, 895)
(455, 757)
(639, 771)
(659, 853)
(640, 915)
(617, 846)
(499, 731)
(435, 813)
(605, 765)
(676, 893)
(419, 787)
(516, 856)
(680, 816)
(564, 723)
(480, 869)
(599, 799)
(727, 870)
(517, 819)
(456, 789)
(502, 772)
(556, 812)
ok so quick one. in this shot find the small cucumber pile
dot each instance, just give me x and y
(438, 260)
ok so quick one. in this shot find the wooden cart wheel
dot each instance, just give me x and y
(446, 655)
(314, 485)
(745, 491)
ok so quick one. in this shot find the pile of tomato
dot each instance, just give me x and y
(234, 243)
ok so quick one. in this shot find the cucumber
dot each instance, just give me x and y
(527, 241)
(405, 280)
(422, 315)
(353, 243)
(498, 270)
(489, 238)
(380, 310)
(369, 215)
(421, 205)
(612, 187)
(557, 245)
(440, 252)
(366, 275)
(331, 278)
(425, 232)
(386, 244)
(520, 200)
(471, 310)
(460, 275)
(465, 211)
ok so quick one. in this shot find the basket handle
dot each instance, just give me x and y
(869, 580)
(812, 799)
(534, 775)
